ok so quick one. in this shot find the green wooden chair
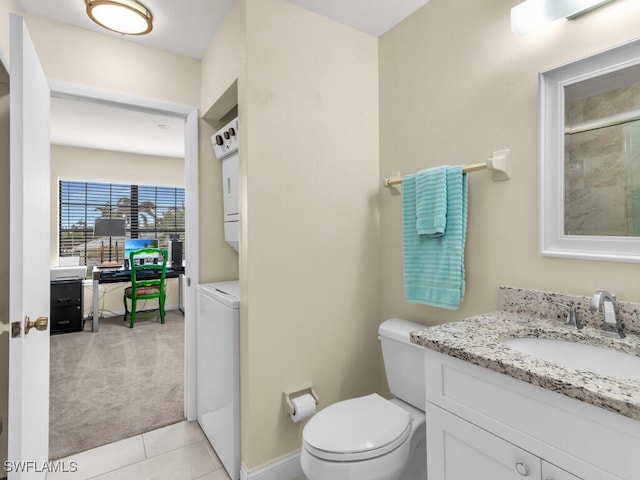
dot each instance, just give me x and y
(147, 281)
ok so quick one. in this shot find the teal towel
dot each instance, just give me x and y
(431, 201)
(434, 266)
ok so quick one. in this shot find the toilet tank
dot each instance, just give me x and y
(403, 361)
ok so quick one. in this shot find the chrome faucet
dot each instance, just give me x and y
(572, 316)
(606, 302)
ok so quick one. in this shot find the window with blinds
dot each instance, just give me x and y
(149, 212)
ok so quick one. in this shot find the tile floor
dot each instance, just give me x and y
(176, 452)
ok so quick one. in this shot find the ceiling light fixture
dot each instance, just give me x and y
(533, 14)
(127, 17)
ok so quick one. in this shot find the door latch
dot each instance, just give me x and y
(16, 329)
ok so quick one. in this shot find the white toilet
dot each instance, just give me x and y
(370, 437)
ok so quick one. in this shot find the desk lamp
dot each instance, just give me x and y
(109, 227)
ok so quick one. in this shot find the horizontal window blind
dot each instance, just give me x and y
(149, 212)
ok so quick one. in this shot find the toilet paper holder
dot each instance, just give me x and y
(287, 395)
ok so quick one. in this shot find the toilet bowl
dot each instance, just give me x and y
(370, 437)
(365, 438)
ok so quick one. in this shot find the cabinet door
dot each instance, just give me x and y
(458, 450)
(551, 472)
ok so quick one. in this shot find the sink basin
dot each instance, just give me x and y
(580, 356)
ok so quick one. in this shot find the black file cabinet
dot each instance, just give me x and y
(66, 306)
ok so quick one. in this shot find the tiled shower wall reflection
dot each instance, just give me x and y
(602, 167)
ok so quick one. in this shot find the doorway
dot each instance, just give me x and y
(187, 115)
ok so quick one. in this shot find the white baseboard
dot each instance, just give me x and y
(286, 468)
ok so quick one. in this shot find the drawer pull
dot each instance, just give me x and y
(64, 299)
(522, 469)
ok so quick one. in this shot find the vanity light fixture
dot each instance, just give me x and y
(533, 14)
(127, 17)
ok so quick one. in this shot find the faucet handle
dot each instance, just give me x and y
(572, 316)
(606, 302)
(594, 303)
(612, 326)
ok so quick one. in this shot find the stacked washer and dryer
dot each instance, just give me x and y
(225, 145)
(218, 327)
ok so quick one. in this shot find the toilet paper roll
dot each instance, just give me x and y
(303, 407)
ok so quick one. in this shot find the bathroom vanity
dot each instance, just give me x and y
(495, 412)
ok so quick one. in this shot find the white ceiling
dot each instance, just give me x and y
(185, 27)
(371, 16)
(78, 123)
(180, 26)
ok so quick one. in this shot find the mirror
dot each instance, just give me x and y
(589, 165)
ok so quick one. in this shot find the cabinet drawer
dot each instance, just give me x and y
(66, 294)
(66, 319)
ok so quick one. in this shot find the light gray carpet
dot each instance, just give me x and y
(115, 383)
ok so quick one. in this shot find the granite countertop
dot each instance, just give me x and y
(479, 340)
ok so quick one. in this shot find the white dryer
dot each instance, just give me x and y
(218, 370)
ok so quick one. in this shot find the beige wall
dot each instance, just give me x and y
(89, 58)
(221, 63)
(6, 7)
(309, 268)
(456, 84)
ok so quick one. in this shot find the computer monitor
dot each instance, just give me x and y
(133, 244)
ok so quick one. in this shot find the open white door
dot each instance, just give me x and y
(28, 422)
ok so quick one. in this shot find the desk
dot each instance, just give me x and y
(124, 276)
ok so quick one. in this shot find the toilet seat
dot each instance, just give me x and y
(357, 429)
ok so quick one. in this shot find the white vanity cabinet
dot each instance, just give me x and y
(485, 424)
